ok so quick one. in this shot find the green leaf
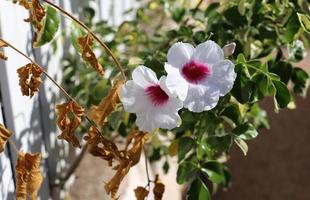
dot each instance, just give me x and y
(219, 144)
(243, 146)
(283, 69)
(49, 29)
(300, 78)
(283, 96)
(178, 14)
(198, 191)
(233, 16)
(186, 171)
(214, 171)
(292, 28)
(245, 131)
(243, 89)
(304, 21)
(185, 145)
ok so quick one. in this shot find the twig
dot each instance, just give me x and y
(108, 50)
(147, 169)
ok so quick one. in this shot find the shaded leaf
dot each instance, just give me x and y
(5, 134)
(245, 131)
(141, 193)
(68, 119)
(198, 191)
(29, 78)
(159, 189)
(107, 105)
(185, 145)
(283, 96)
(88, 55)
(186, 171)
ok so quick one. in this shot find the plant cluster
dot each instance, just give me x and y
(206, 100)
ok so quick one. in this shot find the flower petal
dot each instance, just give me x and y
(179, 54)
(208, 52)
(175, 84)
(166, 117)
(144, 76)
(133, 97)
(201, 98)
(223, 76)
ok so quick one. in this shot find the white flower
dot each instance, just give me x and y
(199, 76)
(147, 96)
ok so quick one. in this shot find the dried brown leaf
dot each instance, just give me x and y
(107, 105)
(159, 189)
(138, 139)
(29, 79)
(25, 3)
(68, 119)
(122, 169)
(141, 193)
(28, 175)
(21, 177)
(35, 177)
(88, 55)
(2, 56)
(5, 134)
(101, 147)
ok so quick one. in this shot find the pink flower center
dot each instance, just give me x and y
(194, 71)
(157, 96)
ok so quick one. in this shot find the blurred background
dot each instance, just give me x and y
(275, 168)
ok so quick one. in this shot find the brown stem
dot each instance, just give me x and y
(147, 169)
(50, 78)
(108, 50)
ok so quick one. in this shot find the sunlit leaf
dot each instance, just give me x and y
(304, 21)
(68, 119)
(88, 55)
(29, 78)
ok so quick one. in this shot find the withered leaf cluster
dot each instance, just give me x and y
(68, 119)
(28, 176)
(107, 105)
(29, 78)
(5, 134)
(159, 188)
(37, 14)
(104, 148)
(88, 55)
